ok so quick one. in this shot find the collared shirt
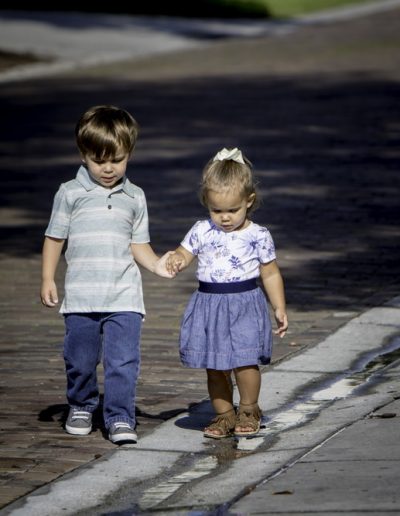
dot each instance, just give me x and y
(226, 257)
(100, 224)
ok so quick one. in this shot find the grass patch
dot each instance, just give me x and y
(288, 8)
(200, 8)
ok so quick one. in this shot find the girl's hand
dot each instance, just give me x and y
(281, 321)
(161, 267)
(175, 262)
(48, 293)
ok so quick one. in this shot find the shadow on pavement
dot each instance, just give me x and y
(325, 150)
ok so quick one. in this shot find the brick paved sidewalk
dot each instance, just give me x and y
(317, 111)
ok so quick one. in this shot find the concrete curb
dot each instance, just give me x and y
(342, 353)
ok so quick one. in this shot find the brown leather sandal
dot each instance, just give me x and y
(223, 424)
(249, 416)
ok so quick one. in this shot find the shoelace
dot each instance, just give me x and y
(80, 414)
(121, 424)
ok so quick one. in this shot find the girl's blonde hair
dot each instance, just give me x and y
(104, 131)
(228, 174)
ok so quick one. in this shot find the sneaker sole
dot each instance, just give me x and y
(123, 438)
(77, 431)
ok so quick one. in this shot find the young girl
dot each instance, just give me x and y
(226, 325)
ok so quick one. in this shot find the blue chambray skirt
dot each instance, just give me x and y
(224, 331)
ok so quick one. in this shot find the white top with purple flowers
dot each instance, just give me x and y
(227, 257)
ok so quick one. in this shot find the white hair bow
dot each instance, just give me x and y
(233, 154)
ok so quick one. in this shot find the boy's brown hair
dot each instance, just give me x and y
(104, 131)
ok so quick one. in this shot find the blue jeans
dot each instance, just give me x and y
(117, 335)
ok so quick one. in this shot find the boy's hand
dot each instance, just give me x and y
(175, 262)
(281, 321)
(48, 294)
(161, 267)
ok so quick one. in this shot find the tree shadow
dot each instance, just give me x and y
(324, 150)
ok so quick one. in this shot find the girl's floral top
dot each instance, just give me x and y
(226, 257)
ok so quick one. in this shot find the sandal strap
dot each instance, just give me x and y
(249, 416)
(224, 422)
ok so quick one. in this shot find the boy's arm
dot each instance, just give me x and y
(273, 284)
(51, 253)
(147, 258)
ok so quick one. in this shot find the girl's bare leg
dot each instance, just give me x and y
(220, 389)
(248, 381)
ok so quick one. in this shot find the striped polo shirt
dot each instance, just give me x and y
(100, 224)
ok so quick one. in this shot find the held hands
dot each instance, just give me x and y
(175, 262)
(48, 293)
(281, 321)
(161, 267)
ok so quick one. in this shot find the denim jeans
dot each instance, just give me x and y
(116, 336)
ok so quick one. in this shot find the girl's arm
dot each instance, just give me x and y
(51, 253)
(273, 284)
(147, 258)
(179, 260)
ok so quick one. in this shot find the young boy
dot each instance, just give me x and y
(104, 217)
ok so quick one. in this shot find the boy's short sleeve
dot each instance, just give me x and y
(60, 216)
(266, 246)
(140, 226)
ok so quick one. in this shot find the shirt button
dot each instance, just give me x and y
(109, 206)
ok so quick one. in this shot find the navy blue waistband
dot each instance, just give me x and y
(227, 288)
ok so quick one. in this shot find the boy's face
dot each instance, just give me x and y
(107, 171)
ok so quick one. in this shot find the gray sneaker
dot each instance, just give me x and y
(121, 432)
(79, 422)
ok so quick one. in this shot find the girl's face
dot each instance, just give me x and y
(107, 171)
(228, 210)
